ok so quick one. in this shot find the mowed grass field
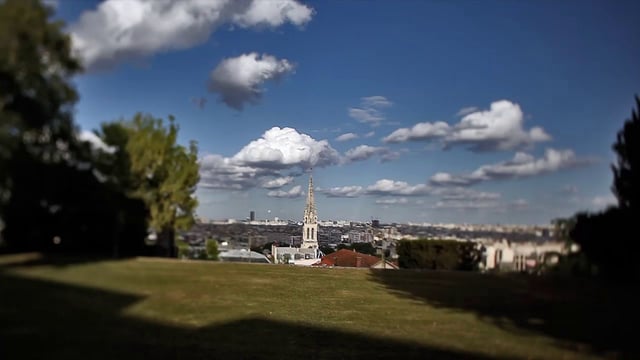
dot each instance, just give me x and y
(158, 309)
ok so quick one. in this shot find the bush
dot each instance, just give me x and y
(438, 255)
(183, 249)
(212, 249)
(606, 239)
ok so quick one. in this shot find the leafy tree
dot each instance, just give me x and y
(562, 228)
(438, 255)
(36, 96)
(154, 168)
(626, 173)
(212, 249)
(363, 248)
(183, 249)
(607, 238)
(46, 173)
(326, 250)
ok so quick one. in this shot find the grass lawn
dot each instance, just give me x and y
(157, 309)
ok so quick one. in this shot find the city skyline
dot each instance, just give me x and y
(437, 112)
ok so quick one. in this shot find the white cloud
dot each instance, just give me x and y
(392, 187)
(376, 102)
(280, 148)
(460, 193)
(569, 189)
(343, 191)
(218, 172)
(239, 80)
(420, 131)
(277, 182)
(347, 137)
(294, 192)
(52, 3)
(443, 178)
(263, 161)
(519, 204)
(602, 202)
(392, 201)
(499, 128)
(522, 165)
(273, 13)
(121, 30)
(364, 152)
(369, 134)
(369, 111)
(466, 204)
(95, 141)
(466, 110)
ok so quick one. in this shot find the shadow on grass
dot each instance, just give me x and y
(57, 321)
(52, 259)
(580, 314)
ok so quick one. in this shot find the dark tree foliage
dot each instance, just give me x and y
(609, 242)
(326, 250)
(626, 173)
(52, 196)
(363, 248)
(609, 239)
(438, 255)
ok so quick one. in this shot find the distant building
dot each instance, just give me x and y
(308, 252)
(243, 256)
(252, 215)
(507, 256)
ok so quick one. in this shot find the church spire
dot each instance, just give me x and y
(310, 209)
(310, 225)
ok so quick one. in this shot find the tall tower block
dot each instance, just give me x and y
(310, 224)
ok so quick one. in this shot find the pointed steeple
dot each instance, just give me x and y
(310, 225)
(310, 214)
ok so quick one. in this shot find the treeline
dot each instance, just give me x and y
(438, 255)
(122, 190)
(608, 239)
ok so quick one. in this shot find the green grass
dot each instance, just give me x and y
(183, 309)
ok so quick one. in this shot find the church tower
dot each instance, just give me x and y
(310, 226)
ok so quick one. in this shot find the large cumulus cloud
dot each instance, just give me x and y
(263, 161)
(121, 30)
(501, 127)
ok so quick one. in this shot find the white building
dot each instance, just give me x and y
(508, 256)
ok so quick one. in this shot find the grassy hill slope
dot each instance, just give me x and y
(156, 308)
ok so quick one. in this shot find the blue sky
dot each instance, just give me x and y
(422, 111)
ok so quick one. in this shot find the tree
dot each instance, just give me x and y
(326, 250)
(36, 96)
(46, 173)
(626, 173)
(607, 238)
(212, 249)
(438, 255)
(363, 248)
(152, 167)
(562, 228)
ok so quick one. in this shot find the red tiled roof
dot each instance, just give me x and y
(348, 258)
